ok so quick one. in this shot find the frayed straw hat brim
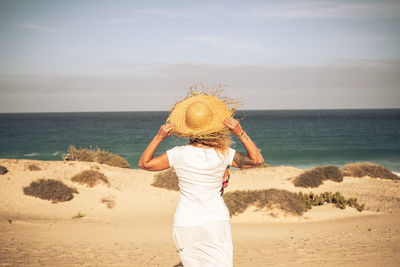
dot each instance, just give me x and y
(222, 108)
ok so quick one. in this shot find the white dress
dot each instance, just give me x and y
(202, 230)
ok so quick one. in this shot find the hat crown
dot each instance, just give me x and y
(198, 115)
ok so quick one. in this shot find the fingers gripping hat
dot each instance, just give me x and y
(201, 115)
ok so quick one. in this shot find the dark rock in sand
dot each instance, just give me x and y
(3, 170)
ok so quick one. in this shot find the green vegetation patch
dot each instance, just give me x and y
(373, 170)
(290, 202)
(337, 199)
(98, 155)
(167, 180)
(50, 189)
(90, 178)
(315, 176)
(238, 201)
(78, 215)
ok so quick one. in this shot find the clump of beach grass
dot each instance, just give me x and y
(373, 170)
(167, 180)
(50, 189)
(336, 198)
(290, 202)
(90, 178)
(98, 155)
(78, 215)
(315, 176)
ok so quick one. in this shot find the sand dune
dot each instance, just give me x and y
(137, 230)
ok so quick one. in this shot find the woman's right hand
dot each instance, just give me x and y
(165, 130)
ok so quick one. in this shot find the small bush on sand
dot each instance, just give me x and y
(372, 170)
(98, 155)
(167, 180)
(316, 176)
(337, 198)
(33, 167)
(3, 170)
(90, 178)
(78, 216)
(50, 189)
(290, 202)
(238, 201)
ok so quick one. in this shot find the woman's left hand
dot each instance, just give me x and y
(233, 125)
(165, 130)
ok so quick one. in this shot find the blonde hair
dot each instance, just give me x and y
(220, 142)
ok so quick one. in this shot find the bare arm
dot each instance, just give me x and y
(253, 157)
(147, 161)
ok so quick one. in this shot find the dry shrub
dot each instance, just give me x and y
(80, 154)
(361, 169)
(50, 189)
(3, 170)
(316, 176)
(238, 201)
(90, 178)
(78, 215)
(110, 159)
(98, 155)
(167, 180)
(290, 202)
(33, 167)
(337, 198)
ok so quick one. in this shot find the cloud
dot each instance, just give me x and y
(347, 84)
(225, 43)
(159, 12)
(365, 38)
(329, 10)
(115, 21)
(36, 27)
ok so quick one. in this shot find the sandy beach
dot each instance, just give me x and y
(135, 229)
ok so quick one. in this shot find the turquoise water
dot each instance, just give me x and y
(300, 138)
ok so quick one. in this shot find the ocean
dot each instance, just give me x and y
(299, 138)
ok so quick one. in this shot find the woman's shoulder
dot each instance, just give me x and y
(178, 148)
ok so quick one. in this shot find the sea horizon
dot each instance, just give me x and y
(127, 111)
(302, 138)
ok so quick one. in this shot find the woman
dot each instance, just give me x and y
(202, 231)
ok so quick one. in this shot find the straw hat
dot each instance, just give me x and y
(201, 115)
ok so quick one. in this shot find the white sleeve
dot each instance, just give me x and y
(170, 155)
(231, 156)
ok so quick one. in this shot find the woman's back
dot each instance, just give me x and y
(200, 172)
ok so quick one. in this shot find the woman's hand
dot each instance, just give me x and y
(165, 130)
(240, 160)
(147, 161)
(233, 125)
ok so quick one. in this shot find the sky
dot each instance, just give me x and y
(87, 55)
